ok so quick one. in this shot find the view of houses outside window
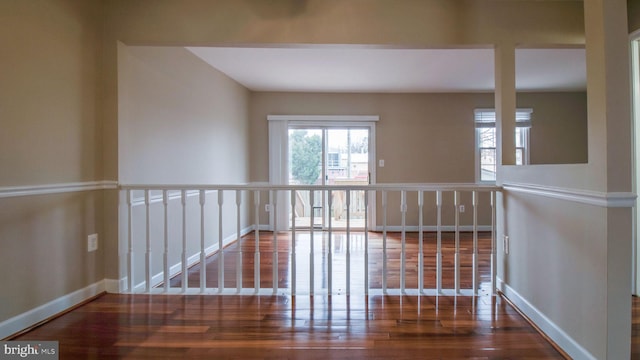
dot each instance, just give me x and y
(346, 163)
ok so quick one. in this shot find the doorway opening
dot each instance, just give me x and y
(329, 155)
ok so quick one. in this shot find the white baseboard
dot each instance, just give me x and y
(398, 228)
(112, 286)
(45, 311)
(412, 228)
(431, 228)
(553, 331)
(158, 278)
(263, 227)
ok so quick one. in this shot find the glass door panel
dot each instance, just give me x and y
(306, 168)
(347, 163)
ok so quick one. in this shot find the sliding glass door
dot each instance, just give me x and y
(347, 164)
(329, 156)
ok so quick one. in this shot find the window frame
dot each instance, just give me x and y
(483, 118)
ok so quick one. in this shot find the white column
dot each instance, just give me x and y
(505, 100)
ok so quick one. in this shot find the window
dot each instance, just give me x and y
(486, 163)
(333, 160)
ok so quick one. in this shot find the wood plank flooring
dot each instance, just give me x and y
(635, 328)
(281, 327)
(339, 244)
(309, 327)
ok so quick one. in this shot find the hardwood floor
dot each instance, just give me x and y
(309, 327)
(279, 327)
(338, 245)
(635, 328)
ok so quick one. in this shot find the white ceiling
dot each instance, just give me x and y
(359, 69)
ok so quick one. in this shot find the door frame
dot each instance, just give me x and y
(634, 51)
(279, 148)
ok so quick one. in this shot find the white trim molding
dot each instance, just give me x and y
(595, 198)
(32, 317)
(553, 331)
(46, 189)
(433, 228)
(121, 285)
(341, 118)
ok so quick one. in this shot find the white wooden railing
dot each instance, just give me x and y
(167, 229)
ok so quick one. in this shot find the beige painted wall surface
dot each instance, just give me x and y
(181, 121)
(379, 22)
(50, 120)
(415, 132)
(559, 127)
(423, 138)
(48, 93)
(562, 244)
(44, 248)
(586, 248)
(343, 22)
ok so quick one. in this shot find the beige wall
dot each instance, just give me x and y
(559, 127)
(44, 248)
(423, 138)
(181, 122)
(52, 93)
(50, 119)
(431, 24)
(562, 244)
(415, 131)
(586, 236)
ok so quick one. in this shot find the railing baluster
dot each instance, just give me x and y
(165, 262)
(147, 262)
(420, 243)
(274, 207)
(475, 243)
(384, 241)
(456, 201)
(311, 245)
(493, 242)
(239, 240)
(131, 253)
(403, 240)
(256, 254)
(439, 241)
(220, 242)
(130, 269)
(348, 241)
(293, 242)
(366, 242)
(185, 275)
(203, 254)
(330, 246)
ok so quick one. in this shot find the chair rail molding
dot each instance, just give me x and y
(595, 198)
(46, 189)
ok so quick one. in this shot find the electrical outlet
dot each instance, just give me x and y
(461, 208)
(506, 245)
(92, 242)
(267, 207)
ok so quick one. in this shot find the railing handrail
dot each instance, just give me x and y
(266, 186)
(136, 248)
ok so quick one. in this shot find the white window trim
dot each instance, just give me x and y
(279, 145)
(523, 120)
